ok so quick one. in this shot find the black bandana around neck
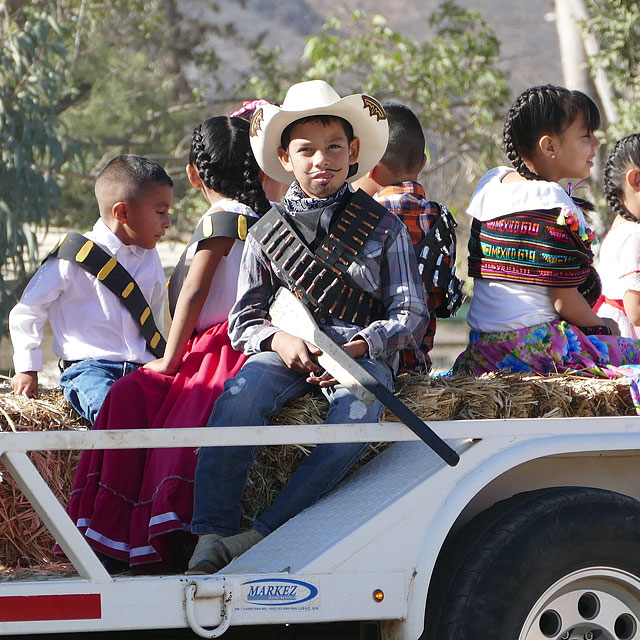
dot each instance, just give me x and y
(296, 200)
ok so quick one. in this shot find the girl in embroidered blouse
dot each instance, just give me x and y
(135, 505)
(530, 249)
(619, 264)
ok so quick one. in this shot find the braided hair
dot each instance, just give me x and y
(624, 155)
(221, 153)
(540, 110)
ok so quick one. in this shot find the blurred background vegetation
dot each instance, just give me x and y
(84, 80)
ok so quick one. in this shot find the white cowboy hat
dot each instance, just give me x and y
(315, 98)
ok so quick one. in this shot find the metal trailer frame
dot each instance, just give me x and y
(366, 551)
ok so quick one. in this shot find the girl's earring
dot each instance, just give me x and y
(553, 156)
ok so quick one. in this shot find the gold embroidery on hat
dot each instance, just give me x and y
(375, 108)
(107, 269)
(81, 256)
(242, 227)
(256, 121)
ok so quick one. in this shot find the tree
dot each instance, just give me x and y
(599, 44)
(614, 29)
(34, 144)
(450, 79)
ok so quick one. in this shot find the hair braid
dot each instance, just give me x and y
(624, 155)
(540, 110)
(508, 135)
(222, 155)
(253, 193)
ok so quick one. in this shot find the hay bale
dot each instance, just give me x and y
(24, 541)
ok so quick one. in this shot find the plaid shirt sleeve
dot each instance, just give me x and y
(248, 324)
(419, 215)
(403, 296)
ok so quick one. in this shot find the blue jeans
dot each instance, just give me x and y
(263, 386)
(86, 384)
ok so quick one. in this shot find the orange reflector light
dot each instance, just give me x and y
(378, 595)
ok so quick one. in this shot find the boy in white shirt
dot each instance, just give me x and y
(95, 336)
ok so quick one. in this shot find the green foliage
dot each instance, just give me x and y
(617, 26)
(34, 144)
(136, 98)
(450, 79)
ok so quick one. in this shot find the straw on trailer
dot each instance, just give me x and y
(25, 542)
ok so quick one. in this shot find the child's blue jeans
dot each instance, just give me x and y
(86, 383)
(263, 386)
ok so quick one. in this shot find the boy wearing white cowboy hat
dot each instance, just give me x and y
(351, 262)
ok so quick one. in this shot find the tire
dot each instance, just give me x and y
(554, 563)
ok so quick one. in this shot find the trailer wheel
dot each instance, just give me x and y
(555, 563)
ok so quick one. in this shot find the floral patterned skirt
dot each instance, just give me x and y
(552, 347)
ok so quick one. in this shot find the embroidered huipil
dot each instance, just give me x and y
(386, 268)
(87, 320)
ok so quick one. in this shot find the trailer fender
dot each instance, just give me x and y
(482, 463)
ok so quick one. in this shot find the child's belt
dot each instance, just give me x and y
(103, 266)
(217, 224)
(320, 279)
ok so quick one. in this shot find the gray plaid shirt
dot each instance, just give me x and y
(386, 268)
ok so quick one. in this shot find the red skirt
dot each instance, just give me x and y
(135, 505)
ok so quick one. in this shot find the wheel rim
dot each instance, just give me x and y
(596, 603)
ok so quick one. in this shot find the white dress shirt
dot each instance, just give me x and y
(87, 320)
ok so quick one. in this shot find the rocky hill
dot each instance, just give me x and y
(527, 34)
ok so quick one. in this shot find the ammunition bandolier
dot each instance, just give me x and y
(436, 256)
(320, 277)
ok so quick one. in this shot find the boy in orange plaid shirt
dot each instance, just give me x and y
(393, 182)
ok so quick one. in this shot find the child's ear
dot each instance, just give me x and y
(354, 150)
(285, 159)
(194, 177)
(547, 145)
(633, 178)
(120, 211)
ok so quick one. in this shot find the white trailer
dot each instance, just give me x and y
(535, 534)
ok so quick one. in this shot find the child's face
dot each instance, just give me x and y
(575, 151)
(319, 156)
(147, 216)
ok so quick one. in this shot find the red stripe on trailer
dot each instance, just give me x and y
(60, 607)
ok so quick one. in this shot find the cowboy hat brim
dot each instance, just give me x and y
(365, 114)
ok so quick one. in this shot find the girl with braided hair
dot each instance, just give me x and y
(619, 265)
(135, 506)
(530, 249)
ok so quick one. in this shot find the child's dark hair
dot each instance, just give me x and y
(126, 177)
(285, 138)
(541, 110)
(624, 156)
(405, 149)
(221, 153)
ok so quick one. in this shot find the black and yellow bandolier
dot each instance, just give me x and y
(78, 249)
(320, 277)
(217, 224)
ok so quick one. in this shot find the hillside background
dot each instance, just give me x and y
(529, 42)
